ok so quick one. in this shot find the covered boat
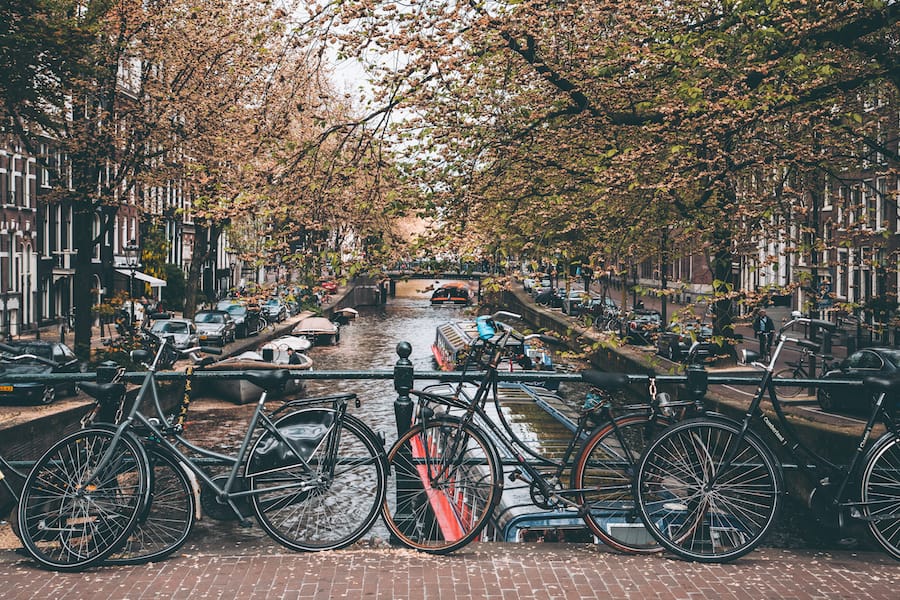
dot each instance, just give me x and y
(343, 316)
(241, 391)
(276, 350)
(453, 339)
(318, 330)
(451, 293)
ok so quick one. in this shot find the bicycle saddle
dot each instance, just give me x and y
(103, 391)
(607, 381)
(270, 379)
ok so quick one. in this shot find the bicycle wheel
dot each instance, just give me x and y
(880, 493)
(69, 520)
(332, 502)
(444, 481)
(791, 391)
(603, 472)
(166, 522)
(696, 508)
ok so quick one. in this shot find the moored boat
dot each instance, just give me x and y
(451, 293)
(453, 340)
(318, 330)
(343, 316)
(241, 391)
(276, 350)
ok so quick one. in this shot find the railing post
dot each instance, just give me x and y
(106, 371)
(403, 410)
(403, 383)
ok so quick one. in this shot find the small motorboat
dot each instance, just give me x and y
(319, 330)
(343, 316)
(451, 293)
(276, 350)
(241, 391)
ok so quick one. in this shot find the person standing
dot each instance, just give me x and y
(764, 328)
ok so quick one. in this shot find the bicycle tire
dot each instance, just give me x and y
(64, 528)
(693, 520)
(465, 484)
(880, 493)
(166, 522)
(604, 469)
(786, 391)
(325, 511)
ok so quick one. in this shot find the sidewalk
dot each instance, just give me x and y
(488, 571)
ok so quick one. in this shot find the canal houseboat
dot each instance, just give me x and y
(453, 340)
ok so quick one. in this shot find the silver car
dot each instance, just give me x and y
(182, 332)
(215, 327)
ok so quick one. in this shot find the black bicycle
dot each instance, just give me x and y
(313, 475)
(802, 368)
(446, 474)
(710, 488)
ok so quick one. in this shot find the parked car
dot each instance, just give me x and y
(541, 285)
(640, 327)
(215, 326)
(329, 285)
(182, 332)
(857, 366)
(38, 358)
(676, 340)
(549, 297)
(575, 302)
(274, 310)
(246, 321)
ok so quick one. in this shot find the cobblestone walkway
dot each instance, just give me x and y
(489, 571)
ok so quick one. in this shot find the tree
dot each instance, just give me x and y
(538, 110)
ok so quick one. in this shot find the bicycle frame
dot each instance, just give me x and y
(782, 430)
(503, 434)
(160, 431)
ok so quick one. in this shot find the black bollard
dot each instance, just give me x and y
(106, 371)
(403, 410)
(403, 383)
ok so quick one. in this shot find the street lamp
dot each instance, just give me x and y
(132, 256)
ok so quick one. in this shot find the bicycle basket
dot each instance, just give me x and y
(303, 431)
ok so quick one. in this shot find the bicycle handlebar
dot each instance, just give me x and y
(826, 325)
(504, 313)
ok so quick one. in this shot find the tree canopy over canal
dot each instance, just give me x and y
(608, 130)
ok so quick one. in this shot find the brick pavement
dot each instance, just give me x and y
(488, 571)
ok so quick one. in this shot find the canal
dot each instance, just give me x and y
(369, 343)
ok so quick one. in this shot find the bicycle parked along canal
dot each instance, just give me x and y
(710, 488)
(446, 474)
(313, 474)
(802, 368)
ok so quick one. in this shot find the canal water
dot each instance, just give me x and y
(370, 342)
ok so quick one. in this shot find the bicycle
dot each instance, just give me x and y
(801, 369)
(314, 476)
(709, 489)
(11, 482)
(446, 475)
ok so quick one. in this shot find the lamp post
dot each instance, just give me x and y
(132, 254)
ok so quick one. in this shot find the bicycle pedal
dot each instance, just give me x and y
(515, 474)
